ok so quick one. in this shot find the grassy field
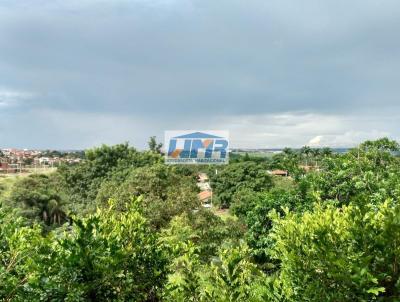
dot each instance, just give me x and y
(7, 180)
(6, 183)
(41, 170)
(262, 154)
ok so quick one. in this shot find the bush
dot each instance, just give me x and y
(259, 223)
(22, 249)
(339, 254)
(238, 176)
(39, 199)
(202, 228)
(108, 256)
(165, 193)
(230, 277)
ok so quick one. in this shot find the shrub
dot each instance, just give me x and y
(339, 254)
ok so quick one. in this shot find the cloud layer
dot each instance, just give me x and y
(274, 73)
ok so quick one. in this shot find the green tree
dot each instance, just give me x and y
(259, 223)
(346, 254)
(243, 175)
(28, 161)
(108, 256)
(230, 277)
(38, 198)
(165, 192)
(305, 152)
(368, 173)
(202, 228)
(289, 160)
(83, 181)
(154, 146)
(326, 151)
(243, 201)
(21, 249)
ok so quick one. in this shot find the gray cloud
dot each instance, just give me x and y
(167, 63)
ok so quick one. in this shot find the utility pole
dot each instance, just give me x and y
(212, 192)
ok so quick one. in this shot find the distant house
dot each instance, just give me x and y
(202, 177)
(10, 168)
(205, 197)
(279, 173)
(3, 167)
(45, 161)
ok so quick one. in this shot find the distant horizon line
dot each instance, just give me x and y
(140, 149)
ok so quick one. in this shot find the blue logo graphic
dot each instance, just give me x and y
(197, 147)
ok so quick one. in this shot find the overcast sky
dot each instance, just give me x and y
(76, 74)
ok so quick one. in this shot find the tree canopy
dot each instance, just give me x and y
(123, 226)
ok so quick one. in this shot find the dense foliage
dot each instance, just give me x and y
(39, 198)
(165, 192)
(107, 256)
(339, 254)
(123, 226)
(243, 175)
